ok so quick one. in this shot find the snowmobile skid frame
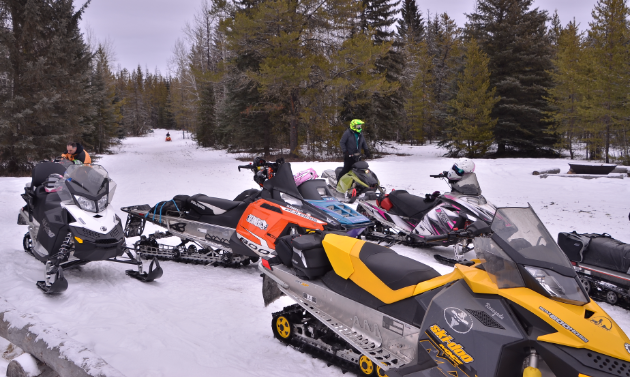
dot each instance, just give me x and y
(210, 242)
(605, 285)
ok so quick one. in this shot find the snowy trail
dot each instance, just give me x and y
(206, 321)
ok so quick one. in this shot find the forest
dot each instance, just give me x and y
(285, 77)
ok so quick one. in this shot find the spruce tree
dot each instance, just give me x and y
(411, 25)
(206, 126)
(569, 80)
(50, 99)
(420, 102)
(516, 40)
(609, 38)
(472, 125)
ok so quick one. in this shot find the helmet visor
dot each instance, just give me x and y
(458, 170)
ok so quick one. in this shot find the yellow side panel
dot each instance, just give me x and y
(437, 282)
(368, 281)
(338, 249)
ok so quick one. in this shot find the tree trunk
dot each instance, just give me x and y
(293, 127)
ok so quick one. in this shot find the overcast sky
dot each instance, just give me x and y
(143, 32)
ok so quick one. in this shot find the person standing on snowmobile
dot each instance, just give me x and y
(77, 153)
(351, 143)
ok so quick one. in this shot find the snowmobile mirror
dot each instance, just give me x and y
(479, 228)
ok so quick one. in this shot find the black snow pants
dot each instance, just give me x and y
(348, 162)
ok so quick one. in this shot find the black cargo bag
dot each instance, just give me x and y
(309, 257)
(284, 249)
(599, 250)
(573, 245)
(605, 252)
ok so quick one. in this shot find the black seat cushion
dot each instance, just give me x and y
(315, 190)
(394, 270)
(409, 205)
(228, 219)
(45, 169)
(205, 205)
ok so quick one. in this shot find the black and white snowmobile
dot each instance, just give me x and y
(602, 263)
(403, 217)
(519, 309)
(205, 225)
(360, 182)
(70, 222)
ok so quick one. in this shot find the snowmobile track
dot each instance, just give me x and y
(295, 314)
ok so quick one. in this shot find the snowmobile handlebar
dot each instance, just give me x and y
(441, 175)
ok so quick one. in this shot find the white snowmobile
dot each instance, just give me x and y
(517, 310)
(408, 219)
(70, 222)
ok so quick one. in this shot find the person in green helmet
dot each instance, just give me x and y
(351, 143)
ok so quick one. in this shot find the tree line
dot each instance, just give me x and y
(286, 77)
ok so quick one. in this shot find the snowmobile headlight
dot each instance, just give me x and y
(85, 204)
(102, 203)
(290, 199)
(561, 288)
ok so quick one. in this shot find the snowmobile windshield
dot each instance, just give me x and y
(283, 182)
(521, 252)
(468, 185)
(88, 186)
(523, 231)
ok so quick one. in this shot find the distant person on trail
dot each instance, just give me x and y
(168, 134)
(351, 143)
(77, 153)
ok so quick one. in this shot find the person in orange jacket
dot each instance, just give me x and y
(77, 153)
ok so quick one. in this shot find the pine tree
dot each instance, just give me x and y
(569, 79)
(49, 97)
(420, 103)
(609, 38)
(411, 25)
(516, 40)
(444, 46)
(207, 125)
(472, 125)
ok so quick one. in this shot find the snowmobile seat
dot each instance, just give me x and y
(315, 190)
(43, 170)
(249, 195)
(409, 205)
(205, 205)
(380, 271)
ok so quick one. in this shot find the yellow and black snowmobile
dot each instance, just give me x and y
(517, 310)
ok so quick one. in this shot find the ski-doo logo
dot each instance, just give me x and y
(564, 325)
(602, 322)
(453, 351)
(257, 222)
(46, 227)
(294, 211)
(458, 320)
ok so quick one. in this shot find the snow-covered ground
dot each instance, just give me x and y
(206, 321)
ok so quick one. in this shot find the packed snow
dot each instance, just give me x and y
(206, 321)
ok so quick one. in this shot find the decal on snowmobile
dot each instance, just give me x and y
(458, 320)
(446, 343)
(627, 347)
(309, 297)
(263, 247)
(179, 227)
(199, 205)
(563, 324)
(217, 239)
(46, 227)
(294, 211)
(393, 325)
(493, 311)
(257, 222)
(602, 322)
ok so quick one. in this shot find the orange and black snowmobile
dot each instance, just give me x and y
(206, 225)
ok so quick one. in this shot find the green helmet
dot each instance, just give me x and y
(356, 125)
